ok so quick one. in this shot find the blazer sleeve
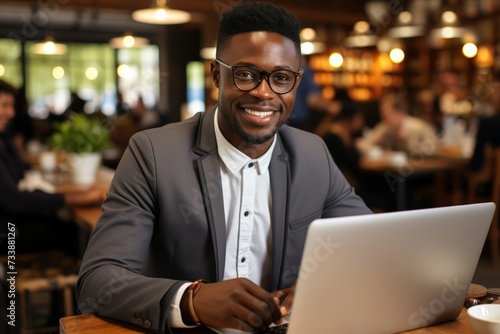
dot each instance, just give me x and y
(111, 282)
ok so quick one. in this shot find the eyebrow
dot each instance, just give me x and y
(285, 67)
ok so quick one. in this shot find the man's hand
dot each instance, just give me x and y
(236, 303)
(284, 298)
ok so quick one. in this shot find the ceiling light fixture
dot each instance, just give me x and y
(361, 36)
(128, 41)
(161, 14)
(449, 27)
(405, 27)
(49, 47)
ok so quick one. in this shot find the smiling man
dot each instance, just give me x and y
(206, 219)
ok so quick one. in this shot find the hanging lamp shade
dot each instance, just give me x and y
(449, 27)
(161, 14)
(49, 47)
(128, 41)
(361, 36)
(405, 27)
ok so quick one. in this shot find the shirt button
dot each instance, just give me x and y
(243, 259)
(246, 213)
(250, 165)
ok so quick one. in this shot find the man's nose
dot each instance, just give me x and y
(263, 89)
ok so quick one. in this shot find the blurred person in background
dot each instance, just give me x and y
(32, 212)
(398, 131)
(340, 139)
(488, 131)
(310, 105)
(23, 129)
(449, 91)
(144, 117)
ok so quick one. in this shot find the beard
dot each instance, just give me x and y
(247, 137)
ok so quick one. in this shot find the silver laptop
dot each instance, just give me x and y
(389, 272)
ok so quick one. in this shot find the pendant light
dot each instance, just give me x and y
(128, 41)
(161, 14)
(49, 47)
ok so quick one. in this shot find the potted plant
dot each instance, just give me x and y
(83, 138)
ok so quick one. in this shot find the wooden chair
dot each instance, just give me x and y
(490, 173)
(45, 271)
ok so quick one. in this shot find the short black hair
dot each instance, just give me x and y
(258, 16)
(6, 88)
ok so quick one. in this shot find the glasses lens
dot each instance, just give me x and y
(282, 81)
(248, 78)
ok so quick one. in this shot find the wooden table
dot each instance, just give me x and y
(443, 166)
(85, 217)
(91, 324)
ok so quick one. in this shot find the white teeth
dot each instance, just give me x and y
(260, 114)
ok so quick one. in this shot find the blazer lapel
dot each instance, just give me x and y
(209, 172)
(279, 187)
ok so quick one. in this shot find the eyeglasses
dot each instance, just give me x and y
(247, 78)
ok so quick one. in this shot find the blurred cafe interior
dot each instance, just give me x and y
(405, 93)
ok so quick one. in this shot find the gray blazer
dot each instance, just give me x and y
(163, 220)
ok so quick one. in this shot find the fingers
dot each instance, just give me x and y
(284, 298)
(262, 304)
(237, 303)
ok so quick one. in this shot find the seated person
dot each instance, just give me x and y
(340, 140)
(399, 131)
(30, 211)
(310, 105)
(488, 132)
(225, 196)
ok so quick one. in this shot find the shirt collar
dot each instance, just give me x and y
(233, 158)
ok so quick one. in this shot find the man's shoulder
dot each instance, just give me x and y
(296, 140)
(177, 131)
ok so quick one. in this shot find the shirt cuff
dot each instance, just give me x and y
(174, 312)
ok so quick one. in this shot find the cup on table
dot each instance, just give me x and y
(48, 161)
(485, 319)
(398, 158)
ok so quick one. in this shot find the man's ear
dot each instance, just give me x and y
(215, 72)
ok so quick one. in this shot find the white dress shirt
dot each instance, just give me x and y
(246, 189)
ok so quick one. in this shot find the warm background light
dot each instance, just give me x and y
(2, 70)
(307, 34)
(362, 27)
(484, 57)
(336, 60)
(397, 55)
(123, 70)
(449, 17)
(91, 73)
(469, 50)
(58, 72)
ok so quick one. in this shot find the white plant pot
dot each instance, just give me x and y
(84, 167)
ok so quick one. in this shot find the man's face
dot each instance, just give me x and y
(6, 110)
(254, 117)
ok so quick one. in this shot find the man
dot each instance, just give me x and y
(30, 210)
(399, 131)
(225, 196)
